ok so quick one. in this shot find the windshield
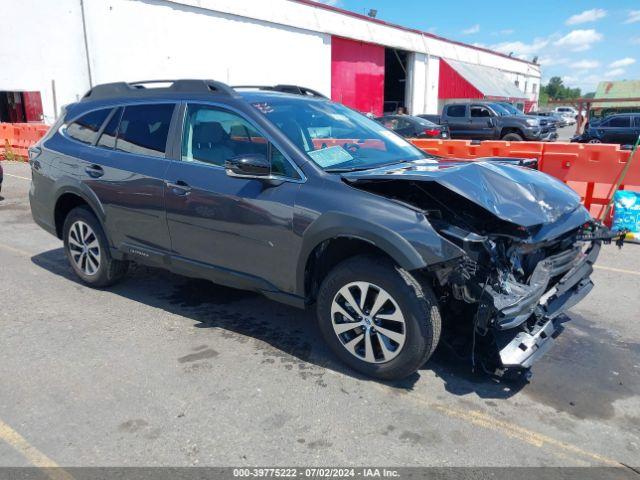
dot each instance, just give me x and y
(335, 137)
(511, 109)
(499, 109)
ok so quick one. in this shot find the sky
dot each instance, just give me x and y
(581, 41)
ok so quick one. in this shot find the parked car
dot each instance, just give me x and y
(569, 113)
(311, 203)
(622, 128)
(491, 121)
(413, 127)
(548, 126)
(559, 119)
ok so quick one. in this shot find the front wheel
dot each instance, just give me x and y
(87, 250)
(512, 137)
(378, 318)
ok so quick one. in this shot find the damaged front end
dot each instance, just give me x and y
(527, 252)
(515, 292)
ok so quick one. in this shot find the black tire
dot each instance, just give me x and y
(417, 303)
(512, 137)
(109, 270)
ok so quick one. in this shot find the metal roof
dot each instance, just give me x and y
(620, 89)
(487, 80)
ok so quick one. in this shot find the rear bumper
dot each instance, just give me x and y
(528, 321)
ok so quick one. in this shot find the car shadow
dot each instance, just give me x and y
(291, 333)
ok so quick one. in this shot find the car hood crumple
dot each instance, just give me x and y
(519, 195)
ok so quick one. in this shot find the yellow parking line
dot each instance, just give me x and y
(17, 176)
(19, 251)
(557, 448)
(617, 270)
(529, 436)
(32, 454)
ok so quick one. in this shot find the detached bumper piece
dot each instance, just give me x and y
(529, 318)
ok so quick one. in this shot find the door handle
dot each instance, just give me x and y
(180, 187)
(94, 171)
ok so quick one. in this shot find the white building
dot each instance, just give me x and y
(56, 50)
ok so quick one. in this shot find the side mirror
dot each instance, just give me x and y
(491, 122)
(254, 165)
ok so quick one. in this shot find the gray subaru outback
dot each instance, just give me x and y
(284, 192)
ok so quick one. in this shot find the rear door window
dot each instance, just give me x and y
(85, 128)
(456, 110)
(143, 129)
(108, 137)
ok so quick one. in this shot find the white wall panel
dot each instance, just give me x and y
(42, 41)
(140, 40)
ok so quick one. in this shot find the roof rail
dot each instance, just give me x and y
(138, 88)
(294, 89)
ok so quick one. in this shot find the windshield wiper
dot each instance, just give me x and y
(368, 167)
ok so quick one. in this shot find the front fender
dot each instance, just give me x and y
(412, 249)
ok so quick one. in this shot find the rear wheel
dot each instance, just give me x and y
(87, 250)
(378, 318)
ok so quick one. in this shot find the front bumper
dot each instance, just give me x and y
(550, 136)
(528, 321)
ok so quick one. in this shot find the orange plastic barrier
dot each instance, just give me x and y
(18, 137)
(592, 170)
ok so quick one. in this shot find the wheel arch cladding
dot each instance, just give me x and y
(71, 197)
(336, 236)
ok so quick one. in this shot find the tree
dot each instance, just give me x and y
(557, 90)
(554, 87)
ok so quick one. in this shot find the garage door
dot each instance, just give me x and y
(357, 74)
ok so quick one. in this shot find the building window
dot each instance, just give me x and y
(534, 88)
(517, 82)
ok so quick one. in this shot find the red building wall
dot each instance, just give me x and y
(453, 85)
(357, 74)
(32, 106)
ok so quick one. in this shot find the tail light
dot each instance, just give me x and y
(432, 132)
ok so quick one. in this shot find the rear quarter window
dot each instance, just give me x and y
(144, 129)
(456, 110)
(85, 128)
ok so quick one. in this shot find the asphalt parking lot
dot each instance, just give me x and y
(163, 370)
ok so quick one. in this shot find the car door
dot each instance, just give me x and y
(617, 129)
(126, 173)
(237, 230)
(458, 120)
(480, 126)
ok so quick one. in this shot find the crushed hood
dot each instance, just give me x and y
(515, 194)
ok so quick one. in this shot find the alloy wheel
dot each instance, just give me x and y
(84, 248)
(368, 322)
